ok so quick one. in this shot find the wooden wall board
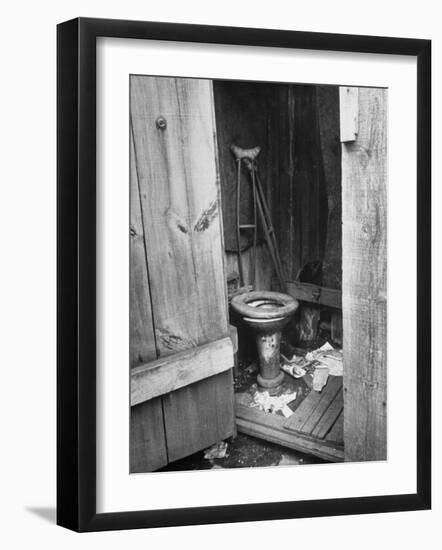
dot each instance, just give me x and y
(364, 183)
(327, 99)
(244, 114)
(264, 267)
(148, 450)
(309, 184)
(199, 415)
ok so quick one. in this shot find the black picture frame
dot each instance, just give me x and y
(76, 273)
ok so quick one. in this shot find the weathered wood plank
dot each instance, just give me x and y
(199, 415)
(181, 369)
(264, 266)
(328, 394)
(142, 338)
(313, 407)
(349, 110)
(328, 119)
(270, 427)
(179, 192)
(303, 412)
(330, 416)
(336, 434)
(147, 437)
(179, 196)
(364, 182)
(315, 294)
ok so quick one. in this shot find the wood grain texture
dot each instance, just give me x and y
(179, 192)
(264, 266)
(179, 197)
(181, 369)
(142, 337)
(245, 117)
(270, 427)
(364, 183)
(199, 415)
(315, 294)
(327, 98)
(147, 437)
(330, 416)
(349, 113)
(313, 408)
(336, 433)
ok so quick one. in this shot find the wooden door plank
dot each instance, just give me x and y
(179, 193)
(329, 417)
(199, 415)
(147, 437)
(364, 185)
(179, 196)
(142, 338)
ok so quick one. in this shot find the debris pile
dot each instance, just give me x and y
(318, 364)
(273, 403)
(218, 450)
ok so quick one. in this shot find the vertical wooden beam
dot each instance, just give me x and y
(364, 212)
(349, 108)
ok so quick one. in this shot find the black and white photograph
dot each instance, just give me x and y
(258, 274)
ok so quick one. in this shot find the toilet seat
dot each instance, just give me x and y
(267, 304)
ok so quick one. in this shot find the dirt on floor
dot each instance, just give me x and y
(244, 452)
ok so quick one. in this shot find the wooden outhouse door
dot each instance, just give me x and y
(181, 355)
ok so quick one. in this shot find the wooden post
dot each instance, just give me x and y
(364, 216)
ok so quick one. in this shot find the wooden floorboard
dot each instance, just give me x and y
(336, 434)
(270, 427)
(329, 417)
(311, 411)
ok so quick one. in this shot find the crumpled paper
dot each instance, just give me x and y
(273, 403)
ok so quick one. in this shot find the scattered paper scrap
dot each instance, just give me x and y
(320, 377)
(286, 411)
(219, 450)
(327, 356)
(272, 403)
(317, 353)
(293, 370)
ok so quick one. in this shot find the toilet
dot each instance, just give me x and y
(266, 313)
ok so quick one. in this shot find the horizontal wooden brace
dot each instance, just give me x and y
(181, 369)
(307, 292)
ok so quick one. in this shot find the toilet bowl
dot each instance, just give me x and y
(266, 313)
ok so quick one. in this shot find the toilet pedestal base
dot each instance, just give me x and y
(270, 376)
